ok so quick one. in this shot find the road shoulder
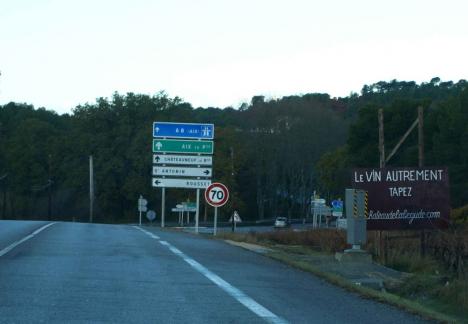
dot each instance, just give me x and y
(367, 279)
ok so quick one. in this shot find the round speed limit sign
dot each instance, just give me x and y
(217, 194)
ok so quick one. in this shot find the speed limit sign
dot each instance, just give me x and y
(216, 194)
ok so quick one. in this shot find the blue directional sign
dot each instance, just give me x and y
(183, 130)
(337, 205)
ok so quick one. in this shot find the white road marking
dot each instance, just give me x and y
(234, 292)
(147, 233)
(24, 239)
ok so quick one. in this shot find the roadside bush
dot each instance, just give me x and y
(455, 293)
(420, 286)
(446, 250)
(451, 248)
(460, 215)
(439, 292)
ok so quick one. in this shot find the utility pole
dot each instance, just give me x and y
(233, 224)
(91, 188)
(420, 123)
(381, 246)
(421, 136)
(49, 209)
(3, 179)
(381, 139)
(421, 164)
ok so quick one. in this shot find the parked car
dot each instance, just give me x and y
(281, 222)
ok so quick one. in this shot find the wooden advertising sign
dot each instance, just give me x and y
(405, 198)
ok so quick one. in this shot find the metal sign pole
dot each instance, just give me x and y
(140, 218)
(215, 221)
(163, 203)
(198, 211)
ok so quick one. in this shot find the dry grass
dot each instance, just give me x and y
(321, 240)
(460, 215)
(411, 305)
(440, 281)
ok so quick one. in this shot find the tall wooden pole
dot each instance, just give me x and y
(381, 246)
(381, 139)
(233, 224)
(421, 164)
(421, 136)
(49, 182)
(91, 188)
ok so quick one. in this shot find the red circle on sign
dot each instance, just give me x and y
(216, 194)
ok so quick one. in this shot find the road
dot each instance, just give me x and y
(260, 229)
(208, 228)
(92, 273)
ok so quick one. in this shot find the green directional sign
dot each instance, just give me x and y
(179, 146)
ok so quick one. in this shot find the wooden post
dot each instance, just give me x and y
(421, 164)
(421, 136)
(380, 245)
(381, 139)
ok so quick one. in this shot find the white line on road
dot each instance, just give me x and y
(24, 239)
(147, 233)
(234, 292)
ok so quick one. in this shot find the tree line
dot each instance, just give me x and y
(271, 153)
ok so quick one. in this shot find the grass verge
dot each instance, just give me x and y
(384, 297)
(292, 254)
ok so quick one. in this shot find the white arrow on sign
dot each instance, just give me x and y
(158, 145)
(180, 183)
(182, 159)
(181, 172)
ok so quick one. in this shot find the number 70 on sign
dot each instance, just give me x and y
(216, 194)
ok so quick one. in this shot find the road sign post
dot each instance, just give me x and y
(235, 218)
(216, 195)
(197, 213)
(142, 206)
(188, 164)
(163, 206)
(215, 222)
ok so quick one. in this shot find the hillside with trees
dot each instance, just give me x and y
(272, 153)
(445, 107)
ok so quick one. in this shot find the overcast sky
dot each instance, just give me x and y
(59, 53)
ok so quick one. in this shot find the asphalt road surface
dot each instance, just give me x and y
(91, 273)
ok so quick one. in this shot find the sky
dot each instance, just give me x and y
(59, 54)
